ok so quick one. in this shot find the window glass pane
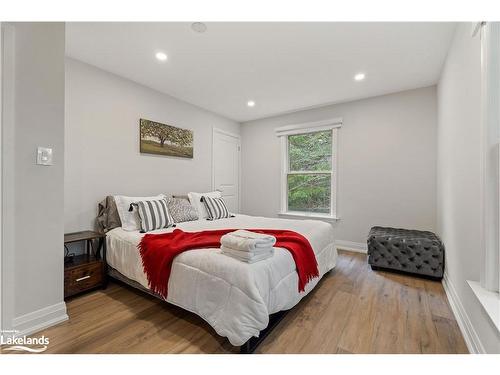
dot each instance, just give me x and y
(311, 151)
(309, 192)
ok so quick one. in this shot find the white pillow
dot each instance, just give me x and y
(130, 220)
(195, 200)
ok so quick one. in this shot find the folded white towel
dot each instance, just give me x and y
(245, 240)
(246, 256)
(250, 253)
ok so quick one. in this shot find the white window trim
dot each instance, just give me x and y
(490, 131)
(310, 127)
(489, 300)
(487, 289)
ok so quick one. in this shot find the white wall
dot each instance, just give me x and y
(102, 142)
(458, 220)
(387, 162)
(33, 195)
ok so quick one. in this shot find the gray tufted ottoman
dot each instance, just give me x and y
(403, 250)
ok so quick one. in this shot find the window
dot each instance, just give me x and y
(309, 169)
(490, 130)
(487, 290)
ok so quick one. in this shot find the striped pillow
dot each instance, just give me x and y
(154, 215)
(216, 208)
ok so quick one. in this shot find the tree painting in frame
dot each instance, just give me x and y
(162, 139)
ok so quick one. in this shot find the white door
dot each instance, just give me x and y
(226, 167)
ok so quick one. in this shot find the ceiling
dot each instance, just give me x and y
(283, 67)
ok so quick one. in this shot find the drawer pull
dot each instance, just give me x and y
(83, 278)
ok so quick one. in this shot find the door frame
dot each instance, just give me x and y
(215, 132)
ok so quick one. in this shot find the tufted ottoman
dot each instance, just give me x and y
(403, 250)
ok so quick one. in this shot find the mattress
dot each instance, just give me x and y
(234, 297)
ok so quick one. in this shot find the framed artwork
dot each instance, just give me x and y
(162, 139)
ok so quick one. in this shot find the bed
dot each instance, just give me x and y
(235, 298)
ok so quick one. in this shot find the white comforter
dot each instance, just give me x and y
(234, 297)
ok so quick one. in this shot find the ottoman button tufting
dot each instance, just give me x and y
(408, 251)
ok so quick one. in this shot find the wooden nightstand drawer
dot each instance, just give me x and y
(88, 270)
(83, 277)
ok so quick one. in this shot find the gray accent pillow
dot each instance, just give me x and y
(181, 210)
(107, 217)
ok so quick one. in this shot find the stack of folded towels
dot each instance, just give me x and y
(248, 246)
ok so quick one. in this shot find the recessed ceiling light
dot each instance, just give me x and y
(161, 56)
(199, 27)
(359, 77)
(251, 103)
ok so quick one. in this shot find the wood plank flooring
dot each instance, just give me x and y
(352, 310)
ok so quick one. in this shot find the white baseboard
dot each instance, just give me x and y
(40, 319)
(468, 332)
(358, 247)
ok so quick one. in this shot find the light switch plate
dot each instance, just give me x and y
(44, 156)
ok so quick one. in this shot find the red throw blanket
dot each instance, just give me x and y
(159, 250)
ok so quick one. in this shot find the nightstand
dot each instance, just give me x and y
(86, 271)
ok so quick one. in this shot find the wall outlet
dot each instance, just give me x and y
(44, 156)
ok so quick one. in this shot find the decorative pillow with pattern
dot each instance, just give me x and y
(182, 210)
(130, 218)
(216, 208)
(154, 215)
(197, 202)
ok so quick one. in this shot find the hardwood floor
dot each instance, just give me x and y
(352, 310)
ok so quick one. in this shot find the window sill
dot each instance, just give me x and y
(305, 215)
(489, 300)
